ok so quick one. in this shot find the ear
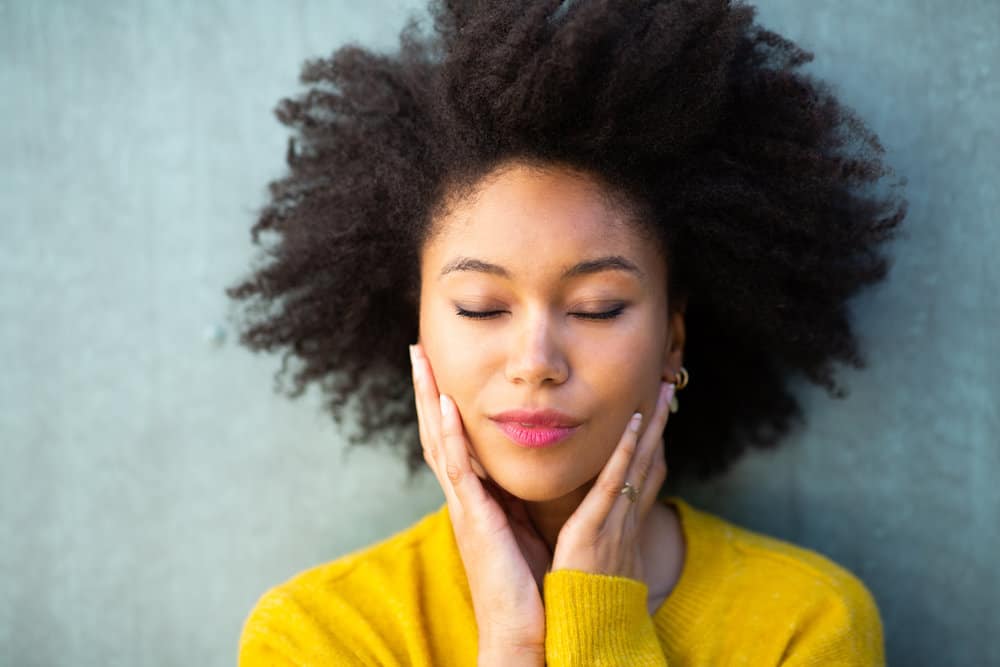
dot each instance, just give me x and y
(673, 353)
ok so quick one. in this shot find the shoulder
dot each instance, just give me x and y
(384, 558)
(791, 592)
(298, 617)
(757, 557)
(378, 564)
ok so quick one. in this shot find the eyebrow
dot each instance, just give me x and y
(586, 267)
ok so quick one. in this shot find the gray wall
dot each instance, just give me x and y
(152, 485)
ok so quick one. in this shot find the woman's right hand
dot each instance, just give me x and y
(494, 534)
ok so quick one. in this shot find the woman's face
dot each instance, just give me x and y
(506, 251)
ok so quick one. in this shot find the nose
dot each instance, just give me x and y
(536, 354)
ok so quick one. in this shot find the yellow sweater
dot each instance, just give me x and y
(743, 598)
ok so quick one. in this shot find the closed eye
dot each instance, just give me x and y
(606, 315)
(490, 314)
(477, 315)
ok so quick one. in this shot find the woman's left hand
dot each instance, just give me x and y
(602, 536)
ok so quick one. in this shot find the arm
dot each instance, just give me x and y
(596, 619)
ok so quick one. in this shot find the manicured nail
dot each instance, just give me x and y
(413, 355)
(444, 404)
(665, 393)
(635, 421)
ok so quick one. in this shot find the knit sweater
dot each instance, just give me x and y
(743, 598)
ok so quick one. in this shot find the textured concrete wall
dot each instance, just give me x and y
(152, 485)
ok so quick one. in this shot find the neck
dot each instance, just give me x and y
(548, 516)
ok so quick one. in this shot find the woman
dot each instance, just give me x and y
(576, 210)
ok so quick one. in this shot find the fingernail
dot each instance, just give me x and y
(413, 354)
(635, 421)
(443, 403)
(669, 393)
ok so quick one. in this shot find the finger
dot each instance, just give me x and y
(657, 476)
(507, 503)
(597, 504)
(430, 394)
(418, 388)
(639, 467)
(463, 481)
(477, 467)
(650, 442)
(441, 465)
(427, 443)
(432, 397)
(429, 415)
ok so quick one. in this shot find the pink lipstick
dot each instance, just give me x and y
(536, 428)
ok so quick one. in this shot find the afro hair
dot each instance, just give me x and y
(758, 181)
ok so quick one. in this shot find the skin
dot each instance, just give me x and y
(519, 511)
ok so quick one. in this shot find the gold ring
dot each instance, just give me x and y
(630, 491)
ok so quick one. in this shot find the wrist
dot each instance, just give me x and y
(518, 641)
(511, 655)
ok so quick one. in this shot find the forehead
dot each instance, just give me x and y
(538, 220)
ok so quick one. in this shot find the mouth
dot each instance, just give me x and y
(536, 427)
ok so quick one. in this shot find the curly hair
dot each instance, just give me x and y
(757, 180)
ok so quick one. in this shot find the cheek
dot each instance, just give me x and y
(623, 371)
(453, 353)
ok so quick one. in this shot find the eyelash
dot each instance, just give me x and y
(489, 314)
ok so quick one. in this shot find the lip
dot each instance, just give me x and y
(536, 428)
(549, 417)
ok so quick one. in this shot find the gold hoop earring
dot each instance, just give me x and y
(680, 381)
(681, 378)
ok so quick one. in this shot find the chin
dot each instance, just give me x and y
(537, 485)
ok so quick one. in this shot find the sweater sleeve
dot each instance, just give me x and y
(839, 630)
(596, 620)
